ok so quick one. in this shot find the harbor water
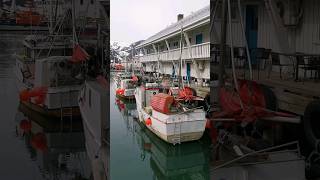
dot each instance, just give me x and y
(137, 152)
(34, 147)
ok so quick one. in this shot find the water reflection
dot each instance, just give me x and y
(57, 148)
(187, 161)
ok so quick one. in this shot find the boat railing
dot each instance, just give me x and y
(197, 51)
(190, 110)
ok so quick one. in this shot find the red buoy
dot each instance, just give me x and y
(148, 122)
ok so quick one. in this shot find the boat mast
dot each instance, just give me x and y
(180, 61)
(223, 44)
(74, 34)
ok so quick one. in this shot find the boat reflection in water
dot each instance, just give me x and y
(187, 161)
(59, 148)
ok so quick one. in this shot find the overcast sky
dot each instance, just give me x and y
(134, 20)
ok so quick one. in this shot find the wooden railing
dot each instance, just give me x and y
(197, 51)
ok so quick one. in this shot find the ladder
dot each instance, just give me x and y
(66, 111)
(177, 136)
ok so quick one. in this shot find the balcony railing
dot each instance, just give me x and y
(197, 51)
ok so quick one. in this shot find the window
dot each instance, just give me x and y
(199, 39)
(92, 2)
(81, 2)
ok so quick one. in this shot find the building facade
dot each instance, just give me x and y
(283, 26)
(161, 52)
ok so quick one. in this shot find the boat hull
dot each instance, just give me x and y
(173, 128)
(53, 113)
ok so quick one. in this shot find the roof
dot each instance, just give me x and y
(198, 18)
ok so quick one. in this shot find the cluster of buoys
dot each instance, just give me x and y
(38, 93)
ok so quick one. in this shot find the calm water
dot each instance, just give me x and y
(34, 147)
(136, 152)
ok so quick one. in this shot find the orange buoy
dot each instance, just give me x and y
(120, 91)
(148, 122)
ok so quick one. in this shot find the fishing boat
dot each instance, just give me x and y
(23, 18)
(55, 88)
(93, 101)
(93, 105)
(126, 88)
(169, 117)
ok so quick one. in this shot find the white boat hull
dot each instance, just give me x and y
(173, 128)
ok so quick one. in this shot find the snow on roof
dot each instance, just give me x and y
(190, 20)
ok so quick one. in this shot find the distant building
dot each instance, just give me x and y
(161, 52)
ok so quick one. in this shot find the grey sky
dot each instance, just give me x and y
(134, 20)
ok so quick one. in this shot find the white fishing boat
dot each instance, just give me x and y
(55, 88)
(166, 117)
(126, 89)
(93, 105)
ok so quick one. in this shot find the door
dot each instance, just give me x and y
(188, 71)
(252, 28)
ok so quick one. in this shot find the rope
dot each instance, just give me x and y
(232, 55)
